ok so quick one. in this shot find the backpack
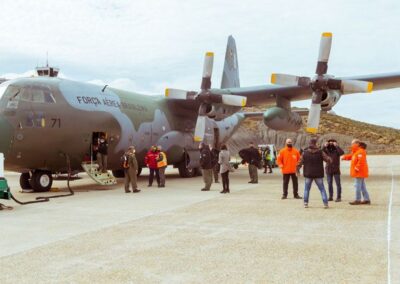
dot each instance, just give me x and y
(125, 162)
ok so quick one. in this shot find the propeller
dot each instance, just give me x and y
(206, 97)
(321, 83)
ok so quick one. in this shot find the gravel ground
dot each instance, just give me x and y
(182, 235)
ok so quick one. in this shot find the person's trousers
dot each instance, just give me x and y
(286, 178)
(207, 178)
(102, 161)
(161, 172)
(361, 188)
(338, 185)
(216, 172)
(321, 187)
(151, 176)
(253, 172)
(130, 178)
(225, 181)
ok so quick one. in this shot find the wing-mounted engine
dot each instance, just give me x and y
(214, 103)
(322, 85)
(278, 118)
(329, 99)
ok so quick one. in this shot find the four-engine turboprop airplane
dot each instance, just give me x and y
(46, 121)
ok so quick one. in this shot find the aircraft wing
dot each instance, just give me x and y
(268, 94)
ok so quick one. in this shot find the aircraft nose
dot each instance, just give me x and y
(5, 136)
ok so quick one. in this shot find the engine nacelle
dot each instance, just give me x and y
(220, 111)
(281, 119)
(329, 99)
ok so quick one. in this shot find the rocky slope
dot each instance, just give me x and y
(380, 140)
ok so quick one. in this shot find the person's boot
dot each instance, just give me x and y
(136, 190)
(366, 202)
(338, 199)
(223, 191)
(330, 198)
(355, 202)
(297, 197)
(227, 191)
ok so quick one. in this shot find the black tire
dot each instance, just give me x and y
(24, 181)
(186, 172)
(118, 173)
(41, 181)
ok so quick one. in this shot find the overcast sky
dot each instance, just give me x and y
(149, 45)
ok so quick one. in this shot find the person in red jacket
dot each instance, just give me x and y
(359, 171)
(287, 160)
(151, 161)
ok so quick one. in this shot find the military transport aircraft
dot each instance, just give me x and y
(47, 121)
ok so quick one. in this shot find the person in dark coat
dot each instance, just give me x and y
(215, 155)
(206, 165)
(313, 161)
(252, 157)
(332, 169)
(102, 153)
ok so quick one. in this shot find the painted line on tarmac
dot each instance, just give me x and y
(389, 229)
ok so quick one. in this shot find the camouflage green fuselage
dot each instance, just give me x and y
(43, 120)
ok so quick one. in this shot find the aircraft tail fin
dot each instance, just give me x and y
(230, 75)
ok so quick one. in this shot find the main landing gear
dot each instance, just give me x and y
(39, 181)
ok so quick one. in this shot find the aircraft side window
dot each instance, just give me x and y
(41, 95)
(12, 92)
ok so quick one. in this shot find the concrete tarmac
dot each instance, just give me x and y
(182, 235)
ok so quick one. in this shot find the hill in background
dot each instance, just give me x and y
(380, 140)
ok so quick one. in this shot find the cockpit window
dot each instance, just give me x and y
(37, 94)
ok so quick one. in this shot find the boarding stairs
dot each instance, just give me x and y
(92, 169)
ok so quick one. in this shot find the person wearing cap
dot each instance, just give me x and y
(130, 165)
(161, 165)
(332, 169)
(287, 160)
(313, 161)
(206, 166)
(359, 171)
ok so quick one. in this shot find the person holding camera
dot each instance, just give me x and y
(332, 170)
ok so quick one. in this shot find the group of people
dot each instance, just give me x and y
(155, 160)
(214, 162)
(312, 160)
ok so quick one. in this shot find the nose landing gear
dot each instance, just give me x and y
(39, 181)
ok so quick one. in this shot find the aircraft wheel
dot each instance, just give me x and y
(41, 181)
(186, 172)
(24, 181)
(118, 173)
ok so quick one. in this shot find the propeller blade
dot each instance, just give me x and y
(289, 80)
(176, 94)
(284, 79)
(232, 100)
(200, 128)
(314, 113)
(356, 86)
(324, 51)
(207, 71)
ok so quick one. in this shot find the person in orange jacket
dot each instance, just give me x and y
(287, 160)
(359, 171)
